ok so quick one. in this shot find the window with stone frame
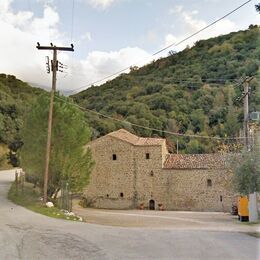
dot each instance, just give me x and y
(114, 157)
(147, 156)
(209, 182)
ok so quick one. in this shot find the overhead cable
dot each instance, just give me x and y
(163, 49)
(150, 128)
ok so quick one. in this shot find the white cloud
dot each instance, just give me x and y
(20, 32)
(169, 40)
(191, 24)
(4, 5)
(104, 63)
(101, 4)
(99, 64)
(176, 9)
(86, 36)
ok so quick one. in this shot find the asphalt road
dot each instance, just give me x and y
(27, 235)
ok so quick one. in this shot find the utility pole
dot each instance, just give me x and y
(54, 68)
(246, 114)
(245, 101)
(244, 96)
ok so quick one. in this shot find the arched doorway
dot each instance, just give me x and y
(151, 205)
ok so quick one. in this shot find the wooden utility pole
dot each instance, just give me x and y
(246, 114)
(245, 101)
(54, 67)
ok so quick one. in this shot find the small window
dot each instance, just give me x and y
(147, 156)
(209, 182)
(107, 195)
(221, 198)
(121, 194)
(114, 157)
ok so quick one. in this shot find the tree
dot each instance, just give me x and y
(194, 147)
(247, 173)
(69, 161)
(257, 7)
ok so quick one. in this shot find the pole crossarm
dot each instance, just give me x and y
(53, 47)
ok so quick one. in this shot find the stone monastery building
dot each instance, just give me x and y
(136, 172)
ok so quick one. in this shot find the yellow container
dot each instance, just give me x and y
(243, 213)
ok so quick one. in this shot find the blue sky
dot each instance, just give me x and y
(108, 35)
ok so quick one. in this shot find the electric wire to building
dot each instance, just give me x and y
(146, 127)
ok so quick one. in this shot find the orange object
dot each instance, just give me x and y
(243, 213)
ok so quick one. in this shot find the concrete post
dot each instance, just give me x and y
(253, 212)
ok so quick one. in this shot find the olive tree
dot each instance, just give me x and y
(247, 173)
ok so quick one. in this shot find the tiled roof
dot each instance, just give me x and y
(124, 135)
(195, 161)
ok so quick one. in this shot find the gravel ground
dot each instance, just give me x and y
(165, 219)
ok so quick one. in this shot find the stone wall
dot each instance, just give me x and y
(110, 178)
(137, 176)
(189, 190)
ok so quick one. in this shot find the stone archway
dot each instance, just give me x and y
(152, 205)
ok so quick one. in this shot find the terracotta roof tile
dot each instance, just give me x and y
(195, 161)
(124, 135)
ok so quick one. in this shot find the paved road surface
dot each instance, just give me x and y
(27, 235)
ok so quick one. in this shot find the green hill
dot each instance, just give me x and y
(190, 92)
(15, 98)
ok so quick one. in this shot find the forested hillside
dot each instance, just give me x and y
(15, 98)
(190, 92)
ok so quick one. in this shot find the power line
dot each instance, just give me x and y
(203, 80)
(29, 5)
(72, 20)
(150, 128)
(204, 28)
(163, 49)
(71, 37)
(190, 82)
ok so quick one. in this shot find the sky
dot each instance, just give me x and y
(108, 35)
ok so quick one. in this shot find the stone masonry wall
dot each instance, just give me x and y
(133, 180)
(109, 177)
(189, 190)
(185, 189)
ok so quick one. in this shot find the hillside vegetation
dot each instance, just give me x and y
(190, 92)
(15, 98)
